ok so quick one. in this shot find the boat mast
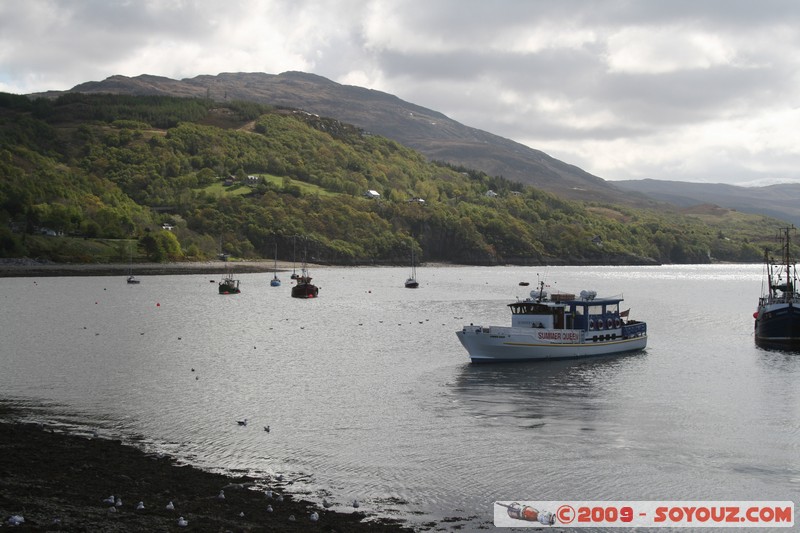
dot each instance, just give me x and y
(787, 264)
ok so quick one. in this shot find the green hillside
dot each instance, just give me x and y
(103, 171)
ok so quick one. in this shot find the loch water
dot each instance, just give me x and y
(370, 396)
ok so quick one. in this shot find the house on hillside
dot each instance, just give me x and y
(416, 200)
(372, 194)
(491, 194)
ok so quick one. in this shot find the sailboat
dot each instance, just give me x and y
(411, 283)
(131, 278)
(275, 282)
(295, 275)
(777, 318)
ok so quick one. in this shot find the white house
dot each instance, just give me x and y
(491, 194)
(372, 194)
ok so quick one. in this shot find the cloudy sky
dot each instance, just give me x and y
(689, 90)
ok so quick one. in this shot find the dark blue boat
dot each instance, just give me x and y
(777, 320)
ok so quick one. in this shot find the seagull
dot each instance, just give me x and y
(182, 522)
(140, 506)
(269, 508)
(279, 477)
(280, 497)
(170, 507)
(242, 422)
(356, 504)
(241, 514)
(110, 500)
(291, 518)
(266, 428)
(118, 503)
(314, 516)
(268, 494)
(221, 495)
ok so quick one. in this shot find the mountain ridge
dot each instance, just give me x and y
(430, 132)
(778, 201)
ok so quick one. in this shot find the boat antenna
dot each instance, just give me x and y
(540, 283)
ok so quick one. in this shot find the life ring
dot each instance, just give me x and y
(591, 324)
(600, 323)
(616, 323)
(609, 323)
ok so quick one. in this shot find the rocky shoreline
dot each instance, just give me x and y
(51, 480)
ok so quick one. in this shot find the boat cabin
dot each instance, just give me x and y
(567, 313)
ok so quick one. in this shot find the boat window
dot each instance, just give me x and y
(595, 309)
(613, 308)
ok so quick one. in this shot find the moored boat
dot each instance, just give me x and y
(228, 285)
(304, 288)
(777, 318)
(411, 282)
(560, 326)
(275, 281)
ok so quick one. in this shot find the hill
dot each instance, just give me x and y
(779, 201)
(431, 133)
(103, 177)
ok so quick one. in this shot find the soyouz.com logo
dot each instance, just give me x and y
(644, 514)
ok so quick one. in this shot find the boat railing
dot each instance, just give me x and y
(636, 329)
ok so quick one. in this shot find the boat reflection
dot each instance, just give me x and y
(531, 394)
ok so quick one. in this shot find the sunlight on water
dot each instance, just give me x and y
(369, 395)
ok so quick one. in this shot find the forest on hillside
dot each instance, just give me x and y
(106, 177)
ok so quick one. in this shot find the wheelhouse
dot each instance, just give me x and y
(584, 314)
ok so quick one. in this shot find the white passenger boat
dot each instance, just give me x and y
(560, 326)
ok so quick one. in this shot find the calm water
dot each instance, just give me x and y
(369, 395)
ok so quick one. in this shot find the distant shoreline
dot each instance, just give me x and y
(16, 268)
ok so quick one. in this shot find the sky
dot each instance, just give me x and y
(687, 90)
